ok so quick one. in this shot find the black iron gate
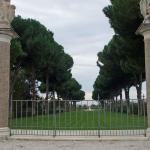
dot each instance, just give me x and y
(78, 118)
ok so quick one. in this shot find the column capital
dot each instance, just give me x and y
(6, 34)
(144, 30)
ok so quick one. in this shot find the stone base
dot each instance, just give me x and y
(148, 133)
(4, 133)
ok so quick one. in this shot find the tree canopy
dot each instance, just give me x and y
(123, 57)
(39, 64)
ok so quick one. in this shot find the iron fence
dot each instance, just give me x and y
(78, 118)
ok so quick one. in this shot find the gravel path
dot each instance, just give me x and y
(70, 145)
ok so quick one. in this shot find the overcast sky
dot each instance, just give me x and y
(79, 25)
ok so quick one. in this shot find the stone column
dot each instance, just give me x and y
(144, 30)
(4, 82)
(6, 34)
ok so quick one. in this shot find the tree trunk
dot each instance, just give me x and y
(13, 79)
(74, 105)
(116, 104)
(47, 86)
(113, 104)
(139, 94)
(47, 93)
(116, 98)
(121, 94)
(127, 97)
(33, 90)
(33, 84)
(53, 94)
(121, 101)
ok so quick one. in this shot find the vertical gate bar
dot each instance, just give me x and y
(145, 126)
(65, 115)
(93, 120)
(104, 111)
(72, 119)
(26, 115)
(32, 112)
(45, 109)
(54, 117)
(81, 117)
(121, 102)
(115, 116)
(123, 106)
(128, 105)
(133, 114)
(91, 108)
(138, 115)
(16, 114)
(144, 113)
(10, 116)
(112, 116)
(59, 111)
(21, 116)
(42, 127)
(76, 117)
(110, 113)
(37, 116)
(70, 116)
(116, 108)
(47, 116)
(129, 113)
(99, 116)
(87, 118)
(106, 118)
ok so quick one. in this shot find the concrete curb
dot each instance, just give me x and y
(70, 138)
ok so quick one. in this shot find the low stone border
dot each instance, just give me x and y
(79, 138)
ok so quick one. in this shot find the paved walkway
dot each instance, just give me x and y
(70, 145)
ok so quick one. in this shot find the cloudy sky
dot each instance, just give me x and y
(79, 25)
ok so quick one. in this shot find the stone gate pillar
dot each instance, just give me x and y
(7, 13)
(144, 30)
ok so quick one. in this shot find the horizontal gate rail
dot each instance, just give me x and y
(78, 118)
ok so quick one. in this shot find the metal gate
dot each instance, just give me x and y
(78, 118)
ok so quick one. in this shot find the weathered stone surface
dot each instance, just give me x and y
(4, 82)
(4, 133)
(7, 13)
(147, 61)
(75, 145)
(144, 30)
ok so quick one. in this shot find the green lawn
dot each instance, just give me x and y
(81, 120)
